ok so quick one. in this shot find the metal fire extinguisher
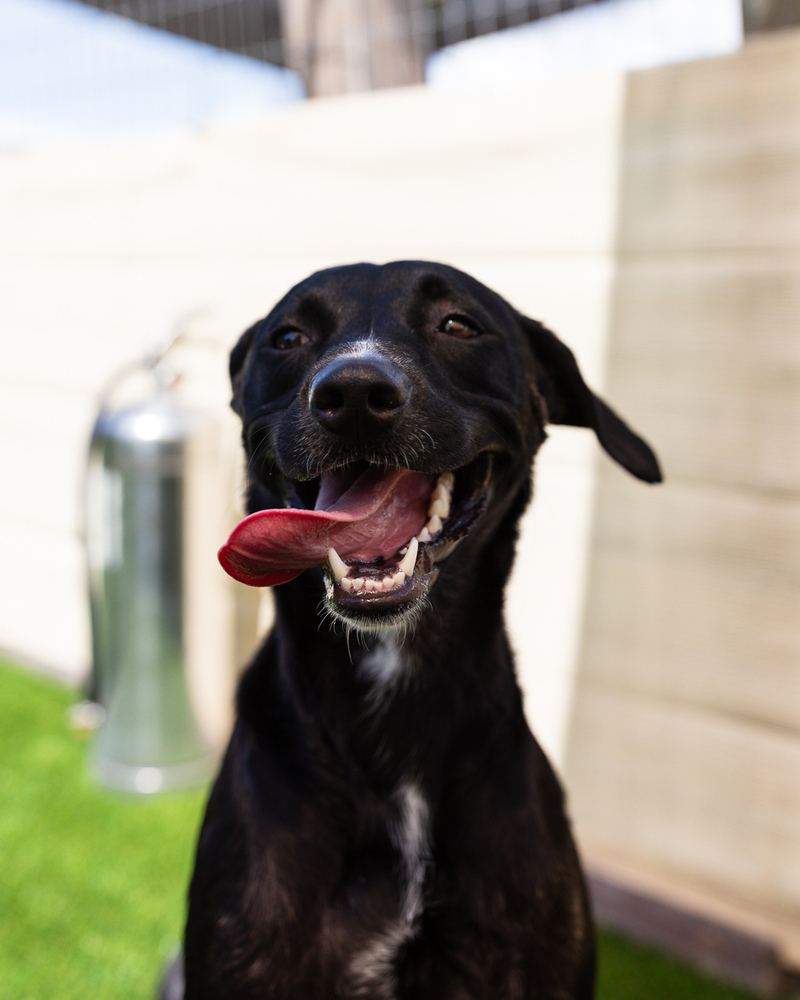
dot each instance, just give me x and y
(150, 739)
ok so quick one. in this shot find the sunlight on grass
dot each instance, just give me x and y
(92, 893)
(93, 884)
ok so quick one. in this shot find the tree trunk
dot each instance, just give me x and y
(344, 46)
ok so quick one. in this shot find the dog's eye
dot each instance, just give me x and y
(287, 340)
(459, 326)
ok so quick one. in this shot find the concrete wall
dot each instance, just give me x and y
(684, 755)
(103, 249)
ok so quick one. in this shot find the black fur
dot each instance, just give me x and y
(300, 868)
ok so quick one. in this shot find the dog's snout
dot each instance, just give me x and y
(367, 394)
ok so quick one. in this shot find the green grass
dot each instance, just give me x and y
(628, 972)
(92, 883)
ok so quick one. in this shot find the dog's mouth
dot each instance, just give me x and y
(378, 531)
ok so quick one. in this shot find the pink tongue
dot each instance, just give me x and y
(365, 519)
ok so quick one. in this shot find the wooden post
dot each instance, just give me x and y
(345, 46)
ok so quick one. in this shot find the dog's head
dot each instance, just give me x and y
(390, 417)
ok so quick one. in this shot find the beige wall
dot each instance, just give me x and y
(684, 754)
(103, 249)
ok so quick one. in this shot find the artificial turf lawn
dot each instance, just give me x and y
(92, 884)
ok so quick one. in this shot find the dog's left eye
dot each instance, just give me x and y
(459, 326)
(287, 340)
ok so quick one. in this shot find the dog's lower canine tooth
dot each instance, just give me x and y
(410, 558)
(340, 569)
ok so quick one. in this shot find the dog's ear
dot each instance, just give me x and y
(569, 400)
(236, 366)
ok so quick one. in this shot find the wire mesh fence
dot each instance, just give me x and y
(457, 20)
(249, 27)
(65, 66)
(258, 28)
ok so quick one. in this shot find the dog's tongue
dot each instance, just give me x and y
(364, 515)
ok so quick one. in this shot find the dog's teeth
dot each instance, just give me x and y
(373, 585)
(434, 525)
(403, 550)
(424, 535)
(388, 582)
(338, 566)
(410, 558)
(440, 501)
(358, 584)
(447, 479)
(397, 579)
(346, 583)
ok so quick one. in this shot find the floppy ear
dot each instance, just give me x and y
(569, 400)
(236, 365)
(265, 491)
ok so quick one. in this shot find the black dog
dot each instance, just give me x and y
(384, 825)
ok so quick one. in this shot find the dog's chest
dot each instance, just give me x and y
(371, 970)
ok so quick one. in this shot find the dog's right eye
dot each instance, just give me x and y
(287, 340)
(460, 327)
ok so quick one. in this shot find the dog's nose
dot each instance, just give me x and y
(365, 394)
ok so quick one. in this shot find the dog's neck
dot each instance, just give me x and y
(395, 703)
(396, 706)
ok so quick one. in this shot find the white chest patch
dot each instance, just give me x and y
(383, 664)
(372, 969)
(410, 837)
